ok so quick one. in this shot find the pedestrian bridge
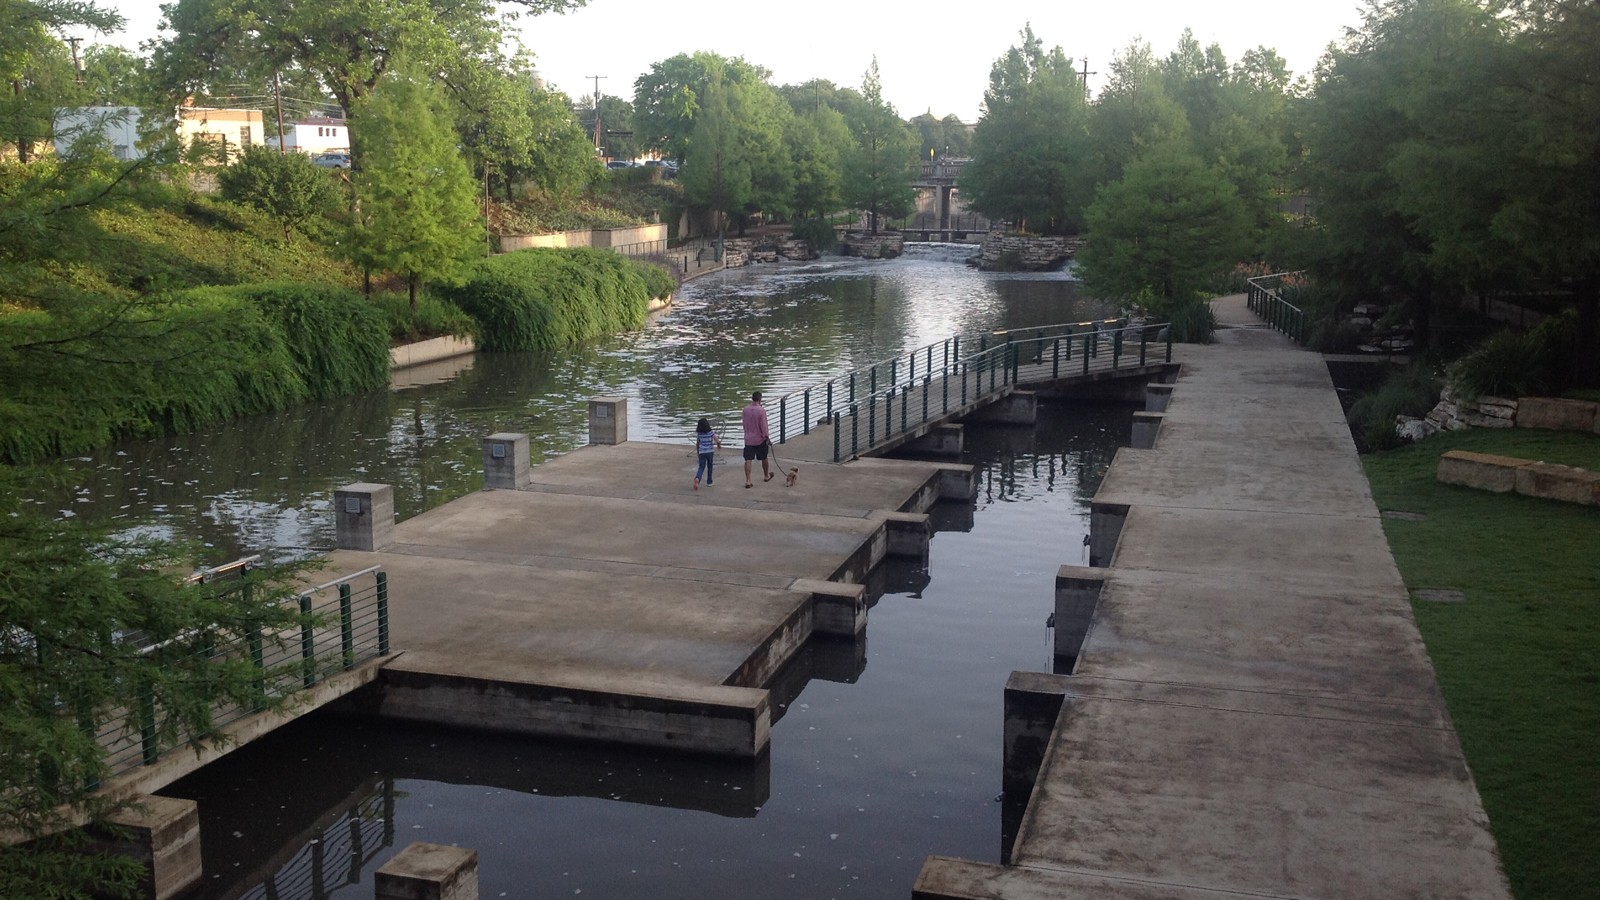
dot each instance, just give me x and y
(878, 408)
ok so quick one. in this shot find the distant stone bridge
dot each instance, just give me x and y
(940, 215)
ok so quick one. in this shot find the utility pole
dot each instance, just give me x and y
(598, 133)
(277, 91)
(77, 61)
(1086, 73)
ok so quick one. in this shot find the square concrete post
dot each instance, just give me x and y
(426, 871)
(505, 461)
(1077, 593)
(1105, 529)
(1156, 397)
(1146, 425)
(164, 834)
(608, 420)
(363, 516)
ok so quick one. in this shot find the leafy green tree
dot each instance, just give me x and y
(948, 136)
(285, 185)
(89, 625)
(561, 160)
(418, 209)
(716, 173)
(815, 143)
(1131, 114)
(347, 45)
(1030, 145)
(36, 66)
(1168, 226)
(878, 169)
(114, 76)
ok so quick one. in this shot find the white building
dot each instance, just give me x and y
(316, 134)
(119, 125)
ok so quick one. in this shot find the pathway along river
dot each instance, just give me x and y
(886, 751)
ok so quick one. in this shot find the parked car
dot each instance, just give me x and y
(332, 160)
(619, 164)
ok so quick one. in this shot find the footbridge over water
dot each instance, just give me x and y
(940, 214)
(915, 399)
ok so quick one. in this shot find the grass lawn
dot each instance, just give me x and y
(1519, 661)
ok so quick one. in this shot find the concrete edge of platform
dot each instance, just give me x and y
(945, 878)
(724, 720)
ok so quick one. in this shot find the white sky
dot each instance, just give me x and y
(932, 55)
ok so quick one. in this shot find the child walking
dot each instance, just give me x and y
(706, 442)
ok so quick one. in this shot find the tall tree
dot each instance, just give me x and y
(1166, 227)
(36, 66)
(1132, 114)
(879, 169)
(1030, 147)
(419, 215)
(716, 173)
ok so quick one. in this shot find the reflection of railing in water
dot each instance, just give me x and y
(341, 626)
(336, 856)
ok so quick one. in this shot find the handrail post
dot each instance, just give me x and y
(783, 419)
(347, 627)
(1169, 342)
(829, 407)
(836, 436)
(1055, 357)
(383, 613)
(805, 409)
(855, 430)
(888, 414)
(308, 644)
(905, 403)
(1116, 348)
(927, 384)
(852, 388)
(872, 383)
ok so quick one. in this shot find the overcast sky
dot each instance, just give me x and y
(931, 55)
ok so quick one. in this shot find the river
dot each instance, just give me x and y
(887, 749)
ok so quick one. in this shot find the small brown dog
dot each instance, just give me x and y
(791, 476)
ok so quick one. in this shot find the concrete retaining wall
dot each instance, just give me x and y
(1558, 414)
(1507, 474)
(407, 355)
(602, 238)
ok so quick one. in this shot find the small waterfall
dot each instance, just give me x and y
(940, 252)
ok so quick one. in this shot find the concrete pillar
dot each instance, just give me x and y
(1156, 397)
(425, 871)
(1015, 408)
(608, 420)
(908, 533)
(1033, 703)
(363, 516)
(838, 609)
(946, 441)
(1105, 529)
(1077, 593)
(164, 834)
(505, 461)
(1146, 425)
(958, 482)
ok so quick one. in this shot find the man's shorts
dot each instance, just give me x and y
(759, 451)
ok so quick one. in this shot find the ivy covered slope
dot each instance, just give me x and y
(153, 310)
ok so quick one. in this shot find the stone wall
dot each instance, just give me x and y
(1452, 413)
(1030, 253)
(591, 237)
(883, 245)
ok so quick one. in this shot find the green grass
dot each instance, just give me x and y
(1519, 661)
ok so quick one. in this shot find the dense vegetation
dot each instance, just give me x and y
(1516, 660)
(535, 299)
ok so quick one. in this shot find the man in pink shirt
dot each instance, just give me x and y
(756, 439)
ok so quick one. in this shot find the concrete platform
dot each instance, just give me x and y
(1252, 711)
(610, 600)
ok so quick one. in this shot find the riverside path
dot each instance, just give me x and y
(1250, 710)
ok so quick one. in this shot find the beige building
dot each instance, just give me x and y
(225, 133)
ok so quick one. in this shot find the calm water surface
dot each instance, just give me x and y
(887, 749)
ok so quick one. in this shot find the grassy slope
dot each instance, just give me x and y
(1519, 661)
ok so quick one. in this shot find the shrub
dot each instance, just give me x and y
(1411, 391)
(432, 318)
(1514, 363)
(542, 298)
(819, 232)
(660, 276)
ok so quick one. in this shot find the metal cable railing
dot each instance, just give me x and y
(797, 412)
(341, 624)
(1265, 298)
(890, 413)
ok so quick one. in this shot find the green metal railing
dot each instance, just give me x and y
(1265, 298)
(342, 624)
(888, 413)
(799, 411)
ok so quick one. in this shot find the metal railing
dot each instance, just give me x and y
(1265, 298)
(883, 413)
(341, 624)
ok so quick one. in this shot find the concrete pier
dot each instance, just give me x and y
(1252, 712)
(608, 599)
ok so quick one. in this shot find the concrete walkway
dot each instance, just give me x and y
(1252, 712)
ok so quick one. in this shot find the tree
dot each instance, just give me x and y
(91, 625)
(1029, 149)
(878, 170)
(36, 67)
(948, 136)
(1166, 227)
(348, 45)
(418, 209)
(288, 186)
(716, 174)
(561, 160)
(1132, 114)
